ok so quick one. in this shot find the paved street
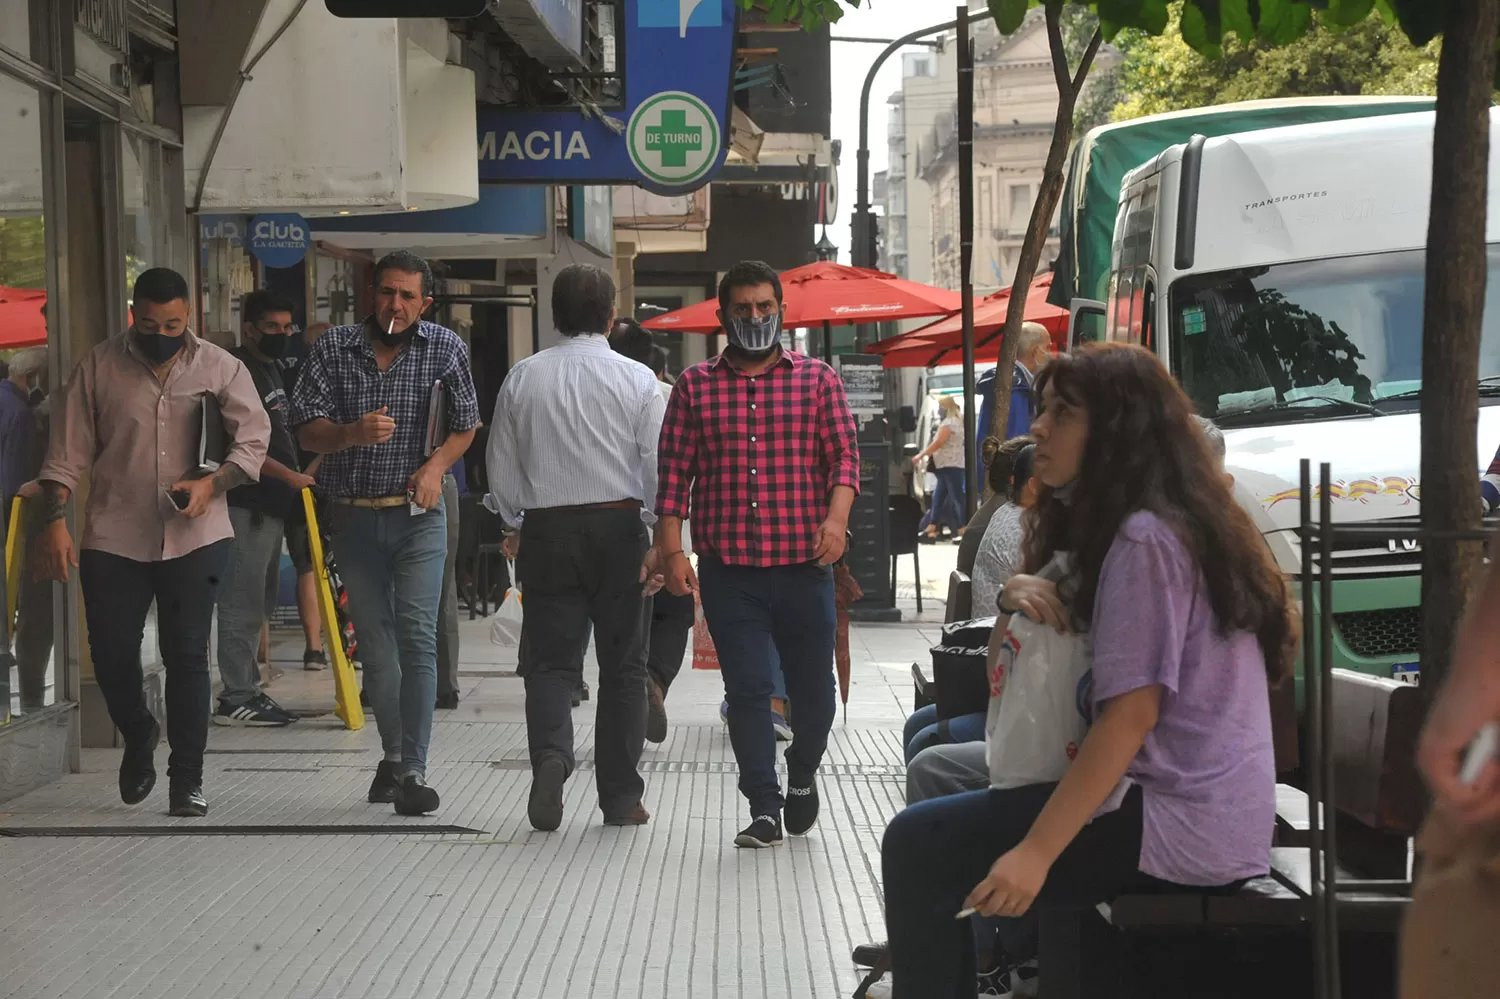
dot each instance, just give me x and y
(295, 887)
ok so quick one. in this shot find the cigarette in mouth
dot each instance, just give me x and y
(390, 326)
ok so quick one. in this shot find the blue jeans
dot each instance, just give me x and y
(947, 509)
(923, 730)
(757, 615)
(392, 566)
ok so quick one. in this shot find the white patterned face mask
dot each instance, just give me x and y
(754, 335)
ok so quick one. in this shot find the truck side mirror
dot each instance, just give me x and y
(908, 419)
(1086, 322)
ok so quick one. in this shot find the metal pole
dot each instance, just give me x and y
(862, 225)
(1312, 766)
(966, 253)
(1325, 754)
(827, 341)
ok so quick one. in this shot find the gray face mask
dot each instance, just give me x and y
(754, 335)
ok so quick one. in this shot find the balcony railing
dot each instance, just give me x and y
(105, 21)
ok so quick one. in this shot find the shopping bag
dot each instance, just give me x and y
(1043, 712)
(705, 656)
(505, 623)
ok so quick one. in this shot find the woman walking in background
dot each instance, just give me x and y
(947, 454)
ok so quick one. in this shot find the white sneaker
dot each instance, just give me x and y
(880, 990)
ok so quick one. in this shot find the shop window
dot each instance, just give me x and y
(23, 288)
(19, 28)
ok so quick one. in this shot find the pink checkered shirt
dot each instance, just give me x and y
(751, 462)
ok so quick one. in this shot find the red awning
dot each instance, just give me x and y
(23, 323)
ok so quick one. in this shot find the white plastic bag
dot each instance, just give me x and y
(505, 623)
(1043, 712)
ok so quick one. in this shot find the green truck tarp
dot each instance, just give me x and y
(1102, 158)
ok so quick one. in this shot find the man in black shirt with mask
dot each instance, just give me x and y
(258, 512)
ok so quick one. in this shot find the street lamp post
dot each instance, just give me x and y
(863, 251)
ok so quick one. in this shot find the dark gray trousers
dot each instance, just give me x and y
(578, 568)
(447, 636)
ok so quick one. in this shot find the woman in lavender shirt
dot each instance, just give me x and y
(1174, 786)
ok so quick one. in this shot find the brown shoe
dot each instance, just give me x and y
(656, 712)
(637, 816)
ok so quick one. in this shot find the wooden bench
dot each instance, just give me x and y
(960, 601)
(1377, 798)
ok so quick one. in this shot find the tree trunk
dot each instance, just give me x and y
(1457, 267)
(1069, 83)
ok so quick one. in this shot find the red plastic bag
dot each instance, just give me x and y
(705, 656)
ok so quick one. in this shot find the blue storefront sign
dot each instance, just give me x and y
(279, 240)
(670, 135)
(502, 210)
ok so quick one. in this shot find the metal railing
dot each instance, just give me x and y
(1317, 657)
(105, 21)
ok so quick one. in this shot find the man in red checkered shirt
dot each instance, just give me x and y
(758, 449)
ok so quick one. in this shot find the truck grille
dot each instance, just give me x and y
(1381, 634)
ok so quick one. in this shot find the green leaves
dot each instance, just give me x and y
(1009, 14)
(811, 14)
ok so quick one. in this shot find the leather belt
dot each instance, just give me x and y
(585, 507)
(375, 503)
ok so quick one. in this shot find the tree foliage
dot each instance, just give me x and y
(1373, 57)
(811, 14)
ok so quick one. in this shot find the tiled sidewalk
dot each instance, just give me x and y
(294, 887)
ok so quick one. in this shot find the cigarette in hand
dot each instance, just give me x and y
(966, 913)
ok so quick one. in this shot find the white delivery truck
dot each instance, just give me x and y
(1279, 274)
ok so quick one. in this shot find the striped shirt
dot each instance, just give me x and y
(753, 460)
(341, 382)
(1489, 486)
(574, 425)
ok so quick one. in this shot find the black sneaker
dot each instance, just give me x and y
(448, 701)
(801, 808)
(138, 767)
(414, 797)
(870, 954)
(384, 787)
(260, 711)
(187, 802)
(314, 659)
(763, 832)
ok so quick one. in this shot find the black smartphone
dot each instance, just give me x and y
(179, 498)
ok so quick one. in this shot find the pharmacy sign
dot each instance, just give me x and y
(674, 138)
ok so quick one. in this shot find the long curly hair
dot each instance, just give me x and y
(1145, 451)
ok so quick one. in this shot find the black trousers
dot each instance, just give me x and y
(577, 568)
(117, 594)
(671, 619)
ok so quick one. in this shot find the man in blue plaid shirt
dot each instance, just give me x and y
(363, 398)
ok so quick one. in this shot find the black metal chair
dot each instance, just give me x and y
(906, 524)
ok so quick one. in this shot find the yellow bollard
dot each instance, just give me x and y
(15, 559)
(345, 688)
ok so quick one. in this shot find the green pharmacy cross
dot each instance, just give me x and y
(673, 139)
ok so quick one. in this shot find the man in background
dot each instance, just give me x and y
(572, 465)
(1033, 350)
(155, 527)
(24, 442)
(363, 400)
(259, 513)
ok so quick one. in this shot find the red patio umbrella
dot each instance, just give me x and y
(22, 322)
(828, 294)
(939, 338)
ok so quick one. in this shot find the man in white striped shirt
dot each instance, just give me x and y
(572, 466)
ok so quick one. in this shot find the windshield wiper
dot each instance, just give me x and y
(1489, 387)
(1295, 406)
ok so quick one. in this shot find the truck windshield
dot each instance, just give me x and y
(1305, 341)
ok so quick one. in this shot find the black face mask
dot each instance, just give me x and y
(395, 339)
(158, 347)
(273, 345)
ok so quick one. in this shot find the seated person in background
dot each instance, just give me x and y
(1174, 784)
(997, 469)
(999, 553)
